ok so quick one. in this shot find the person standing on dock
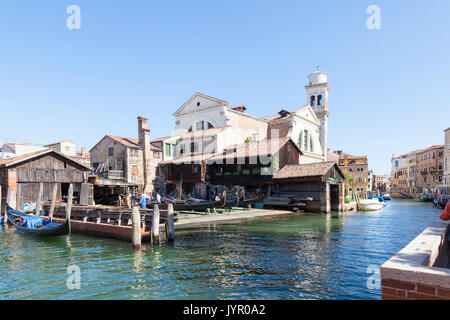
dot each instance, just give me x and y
(143, 202)
(128, 200)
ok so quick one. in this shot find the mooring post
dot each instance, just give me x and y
(53, 204)
(69, 202)
(38, 201)
(155, 224)
(136, 222)
(170, 231)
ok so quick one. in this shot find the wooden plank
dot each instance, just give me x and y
(155, 225)
(39, 199)
(69, 202)
(136, 223)
(53, 203)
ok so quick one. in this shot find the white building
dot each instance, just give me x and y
(66, 147)
(207, 125)
(16, 149)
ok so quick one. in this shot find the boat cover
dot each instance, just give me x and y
(32, 222)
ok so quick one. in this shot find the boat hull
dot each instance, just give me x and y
(51, 229)
(370, 205)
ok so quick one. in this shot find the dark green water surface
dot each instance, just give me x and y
(313, 256)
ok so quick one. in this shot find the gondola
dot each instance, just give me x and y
(47, 228)
(248, 202)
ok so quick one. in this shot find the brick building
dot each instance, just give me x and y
(121, 163)
(430, 169)
(356, 168)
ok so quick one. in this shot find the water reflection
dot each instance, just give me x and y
(311, 256)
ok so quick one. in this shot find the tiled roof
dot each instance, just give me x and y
(28, 156)
(305, 170)
(349, 156)
(254, 149)
(127, 142)
(278, 116)
(131, 142)
(438, 146)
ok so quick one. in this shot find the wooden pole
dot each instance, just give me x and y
(39, 198)
(53, 204)
(136, 222)
(69, 202)
(155, 224)
(170, 231)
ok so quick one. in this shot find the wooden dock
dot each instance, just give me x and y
(108, 222)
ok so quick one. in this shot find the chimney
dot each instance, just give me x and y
(83, 151)
(239, 108)
(283, 113)
(144, 143)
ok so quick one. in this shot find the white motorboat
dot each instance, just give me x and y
(370, 205)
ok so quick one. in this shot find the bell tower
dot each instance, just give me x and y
(317, 92)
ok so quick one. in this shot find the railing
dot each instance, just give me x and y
(115, 174)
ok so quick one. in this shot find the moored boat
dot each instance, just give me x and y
(387, 196)
(370, 205)
(380, 199)
(36, 225)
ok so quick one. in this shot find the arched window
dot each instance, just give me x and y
(303, 140)
(313, 100)
(319, 100)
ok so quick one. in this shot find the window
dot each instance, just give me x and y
(319, 100)
(156, 155)
(168, 150)
(67, 148)
(134, 171)
(194, 147)
(181, 149)
(313, 101)
(305, 139)
(210, 126)
(111, 151)
(200, 125)
(255, 137)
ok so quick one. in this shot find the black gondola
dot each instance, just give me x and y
(47, 229)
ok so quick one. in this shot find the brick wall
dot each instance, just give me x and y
(399, 290)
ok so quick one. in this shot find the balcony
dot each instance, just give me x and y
(112, 175)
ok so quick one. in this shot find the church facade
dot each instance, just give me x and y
(207, 125)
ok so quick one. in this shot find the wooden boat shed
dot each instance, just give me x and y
(20, 178)
(322, 181)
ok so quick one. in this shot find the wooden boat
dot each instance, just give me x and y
(248, 202)
(370, 205)
(47, 228)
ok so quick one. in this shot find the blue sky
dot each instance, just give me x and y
(388, 87)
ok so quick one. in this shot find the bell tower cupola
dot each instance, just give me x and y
(317, 91)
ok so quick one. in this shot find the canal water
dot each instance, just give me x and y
(313, 256)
